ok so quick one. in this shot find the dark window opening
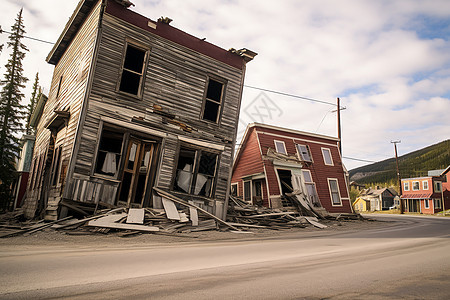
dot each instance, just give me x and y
(213, 101)
(109, 153)
(59, 87)
(133, 69)
(196, 172)
(247, 191)
(56, 165)
(234, 190)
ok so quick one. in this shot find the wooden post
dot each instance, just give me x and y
(339, 125)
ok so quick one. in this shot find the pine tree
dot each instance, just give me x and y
(34, 97)
(11, 110)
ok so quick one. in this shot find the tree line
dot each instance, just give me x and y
(14, 115)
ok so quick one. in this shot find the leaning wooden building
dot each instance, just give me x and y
(135, 104)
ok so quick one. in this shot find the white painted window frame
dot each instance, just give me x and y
(299, 152)
(339, 191)
(426, 203)
(406, 186)
(425, 185)
(418, 185)
(323, 155)
(276, 148)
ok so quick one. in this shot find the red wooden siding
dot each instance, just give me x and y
(319, 171)
(249, 161)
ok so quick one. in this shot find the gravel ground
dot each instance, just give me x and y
(49, 237)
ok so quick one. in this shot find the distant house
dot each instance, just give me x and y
(272, 162)
(23, 165)
(135, 104)
(427, 195)
(375, 199)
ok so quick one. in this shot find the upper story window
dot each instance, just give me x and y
(280, 147)
(132, 75)
(406, 186)
(328, 160)
(213, 101)
(437, 186)
(196, 171)
(425, 185)
(304, 152)
(415, 186)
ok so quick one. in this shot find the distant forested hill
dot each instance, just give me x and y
(414, 164)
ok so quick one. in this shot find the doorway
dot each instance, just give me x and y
(136, 172)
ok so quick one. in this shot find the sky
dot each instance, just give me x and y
(387, 61)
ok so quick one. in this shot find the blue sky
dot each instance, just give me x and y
(388, 61)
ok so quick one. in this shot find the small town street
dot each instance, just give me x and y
(408, 257)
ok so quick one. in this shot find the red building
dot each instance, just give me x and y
(426, 195)
(272, 161)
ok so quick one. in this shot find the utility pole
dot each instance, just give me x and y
(398, 175)
(338, 110)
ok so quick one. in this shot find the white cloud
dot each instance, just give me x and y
(393, 80)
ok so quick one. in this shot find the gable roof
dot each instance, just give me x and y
(233, 57)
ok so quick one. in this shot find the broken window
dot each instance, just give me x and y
(304, 152)
(56, 165)
(196, 170)
(109, 153)
(311, 191)
(234, 189)
(133, 70)
(334, 191)
(280, 147)
(213, 101)
(327, 156)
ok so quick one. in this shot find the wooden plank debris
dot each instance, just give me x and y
(135, 216)
(187, 204)
(171, 209)
(193, 214)
(314, 221)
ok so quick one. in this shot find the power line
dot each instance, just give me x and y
(28, 37)
(290, 95)
(358, 159)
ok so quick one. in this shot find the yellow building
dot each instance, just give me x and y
(361, 205)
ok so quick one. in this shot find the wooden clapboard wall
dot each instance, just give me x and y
(70, 78)
(176, 79)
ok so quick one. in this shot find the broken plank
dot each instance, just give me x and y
(271, 215)
(171, 209)
(193, 214)
(313, 221)
(187, 204)
(135, 216)
(124, 226)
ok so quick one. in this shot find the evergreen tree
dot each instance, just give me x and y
(11, 110)
(34, 97)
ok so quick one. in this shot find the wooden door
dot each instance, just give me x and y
(136, 171)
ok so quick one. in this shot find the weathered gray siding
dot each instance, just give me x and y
(74, 68)
(175, 79)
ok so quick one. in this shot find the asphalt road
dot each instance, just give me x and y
(409, 259)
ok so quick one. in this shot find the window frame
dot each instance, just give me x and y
(425, 182)
(123, 149)
(195, 171)
(426, 203)
(235, 184)
(406, 186)
(323, 155)
(143, 73)
(205, 99)
(284, 146)
(437, 203)
(300, 153)
(331, 192)
(436, 185)
(249, 189)
(415, 184)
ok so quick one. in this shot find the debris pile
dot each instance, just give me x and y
(177, 217)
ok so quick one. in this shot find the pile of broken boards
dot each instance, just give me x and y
(177, 217)
(245, 214)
